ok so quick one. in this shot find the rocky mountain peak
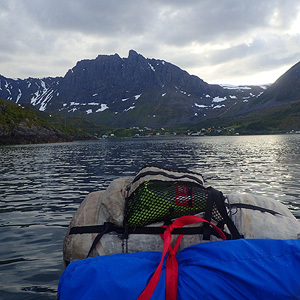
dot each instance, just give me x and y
(133, 54)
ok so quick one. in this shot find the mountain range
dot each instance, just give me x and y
(138, 91)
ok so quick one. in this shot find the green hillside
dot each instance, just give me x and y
(278, 119)
(20, 125)
(12, 115)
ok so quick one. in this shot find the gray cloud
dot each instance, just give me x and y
(216, 40)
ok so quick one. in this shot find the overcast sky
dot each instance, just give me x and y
(221, 41)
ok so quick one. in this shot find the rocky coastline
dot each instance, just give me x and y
(21, 134)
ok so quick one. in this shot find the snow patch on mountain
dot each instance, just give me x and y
(102, 108)
(201, 105)
(152, 68)
(129, 108)
(264, 87)
(219, 99)
(218, 106)
(136, 97)
(234, 87)
(19, 96)
(42, 96)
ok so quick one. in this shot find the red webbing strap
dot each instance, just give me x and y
(172, 264)
(172, 271)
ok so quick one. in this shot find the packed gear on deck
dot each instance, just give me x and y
(103, 212)
(133, 213)
(158, 196)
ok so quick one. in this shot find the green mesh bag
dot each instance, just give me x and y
(161, 201)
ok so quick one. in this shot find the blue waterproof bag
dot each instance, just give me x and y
(227, 270)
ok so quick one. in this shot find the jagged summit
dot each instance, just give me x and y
(133, 54)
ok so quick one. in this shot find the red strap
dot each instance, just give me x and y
(172, 271)
(172, 264)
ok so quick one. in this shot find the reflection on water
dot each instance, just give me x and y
(41, 186)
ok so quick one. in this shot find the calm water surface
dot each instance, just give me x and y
(41, 186)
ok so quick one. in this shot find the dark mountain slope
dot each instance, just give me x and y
(285, 89)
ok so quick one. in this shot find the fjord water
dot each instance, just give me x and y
(41, 186)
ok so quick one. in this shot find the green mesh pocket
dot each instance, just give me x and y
(156, 201)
